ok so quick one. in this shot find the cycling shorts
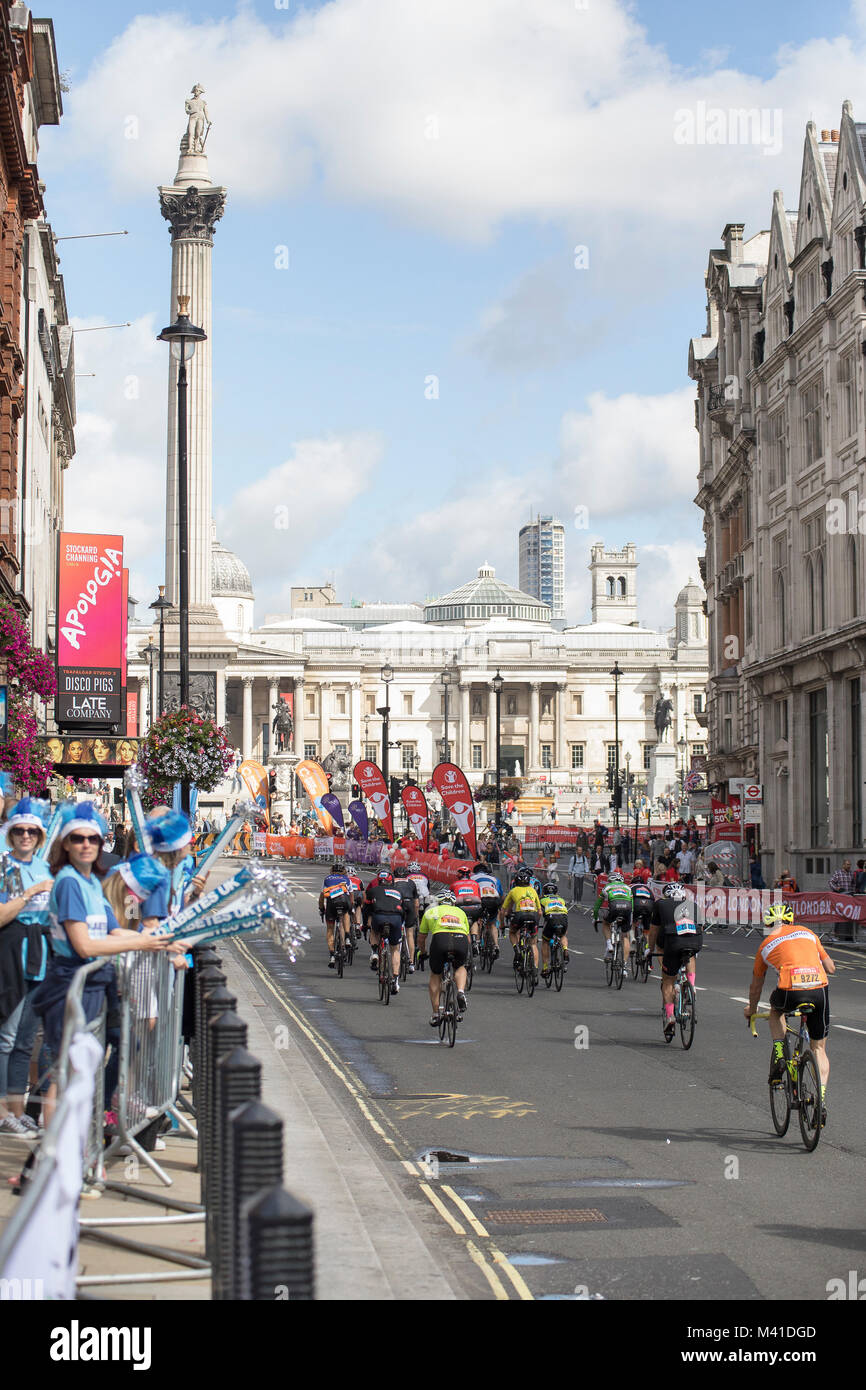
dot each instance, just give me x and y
(444, 942)
(472, 910)
(555, 925)
(676, 949)
(818, 1022)
(387, 924)
(490, 909)
(613, 912)
(335, 908)
(519, 921)
(358, 898)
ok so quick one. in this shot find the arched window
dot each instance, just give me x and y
(621, 586)
(819, 594)
(779, 604)
(810, 596)
(610, 587)
(853, 578)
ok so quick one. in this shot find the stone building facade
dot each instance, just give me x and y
(782, 429)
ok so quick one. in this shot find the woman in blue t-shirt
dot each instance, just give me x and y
(24, 888)
(83, 926)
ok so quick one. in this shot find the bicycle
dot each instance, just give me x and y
(685, 1012)
(799, 1086)
(404, 958)
(486, 947)
(339, 950)
(386, 970)
(470, 966)
(556, 964)
(351, 943)
(449, 1011)
(641, 955)
(614, 960)
(524, 966)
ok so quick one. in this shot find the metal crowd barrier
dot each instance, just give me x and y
(151, 1049)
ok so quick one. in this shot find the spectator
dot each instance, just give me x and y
(578, 868)
(756, 876)
(842, 881)
(685, 863)
(786, 883)
(715, 877)
(860, 880)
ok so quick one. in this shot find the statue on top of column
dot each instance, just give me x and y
(283, 725)
(198, 125)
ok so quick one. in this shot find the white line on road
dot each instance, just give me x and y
(847, 1029)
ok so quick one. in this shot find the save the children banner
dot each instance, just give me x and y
(452, 786)
(372, 783)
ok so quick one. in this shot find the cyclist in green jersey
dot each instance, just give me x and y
(615, 901)
(555, 912)
(446, 928)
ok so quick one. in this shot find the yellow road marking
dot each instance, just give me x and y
(467, 1211)
(490, 1275)
(441, 1208)
(520, 1284)
(410, 1168)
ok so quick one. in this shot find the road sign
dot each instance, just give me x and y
(751, 792)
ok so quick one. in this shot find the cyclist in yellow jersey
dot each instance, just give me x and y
(522, 908)
(446, 927)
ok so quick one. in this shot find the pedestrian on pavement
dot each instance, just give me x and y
(578, 868)
(685, 861)
(860, 880)
(756, 877)
(842, 881)
(715, 877)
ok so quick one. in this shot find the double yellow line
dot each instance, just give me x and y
(488, 1259)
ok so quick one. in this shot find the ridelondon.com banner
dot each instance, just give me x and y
(372, 783)
(90, 627)
(415, 803)
(451, 784)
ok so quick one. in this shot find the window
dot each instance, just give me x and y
(407, 757)
(780, 720)
(699, 750)
(577, 702)
(578, 753)
(620, 584)
(780, 589)
(747, 607)
(777, 461)
(810, 411)
(610, 587)
(311, 750)
(547, 755)
(697, 703)
(728, 721)
(847, 396)
(647, 755)
(610, 758)
(477, 755)
(340, 702)
(511, 702)
(369, 704)
(853, 577)
(371, 752)
(407, 702)
(445, 750)
(819, 768)
(813, 552)
(611, 704)
(311, 702)
(648, 704)
(856, 762)
(477, 706)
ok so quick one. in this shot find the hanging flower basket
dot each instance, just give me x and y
(183, 747)
(29, 676)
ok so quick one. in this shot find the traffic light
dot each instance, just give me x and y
(617, 798)
(272, 783)
(396, 787)
(610, 779)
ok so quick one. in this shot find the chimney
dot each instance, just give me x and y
(825, 136)
(733, 239)
(834, 136)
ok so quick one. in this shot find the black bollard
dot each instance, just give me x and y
(254, 1161)
(218, 1002)
(276, 1248)
(237, 1079)
(206, 979)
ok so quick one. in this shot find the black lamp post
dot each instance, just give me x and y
(161, 604)
(182, 336)
(498, 683)
(616, 673)
(446, 678)
(149, 655)
(387, 674)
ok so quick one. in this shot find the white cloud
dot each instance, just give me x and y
(664, 570)
(539, 322)
(458, 116)
(274, 521)
(116, 481)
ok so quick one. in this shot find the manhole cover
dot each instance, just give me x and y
(555, 1216)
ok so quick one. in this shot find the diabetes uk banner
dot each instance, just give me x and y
(90, 604)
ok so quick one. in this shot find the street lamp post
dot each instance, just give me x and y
(498, 683)
(616, 673)
(387, 674)
(627, 790)
(161, 605)
(182, 337)
(446, 677)
(149, 655)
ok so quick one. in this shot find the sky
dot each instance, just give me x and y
(461, 260)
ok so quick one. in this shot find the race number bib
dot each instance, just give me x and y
(525, 904)
(684, 919)
(488, 891)
(804, 977)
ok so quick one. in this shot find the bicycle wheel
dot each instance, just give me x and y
(451, 1012)
(780, 1096)
(350, 946)
(686, 1015)
(634, 960)
(443, 995)
(385, 974)
(811, 1106)
(646, 961)
(618, 964)
(338, 954)
(470, 969)
(557, 966)
(529, 969)
(404, 962)
(519, 978)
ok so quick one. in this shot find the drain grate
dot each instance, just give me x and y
(555, 1216)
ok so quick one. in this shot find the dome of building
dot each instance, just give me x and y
(692, 596)
(230, 577)
(486, 597)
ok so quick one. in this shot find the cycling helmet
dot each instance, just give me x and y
(446, 898)
(386, 877)
(615, 876)
(676, 891)
(777, 913)
(551, 888)
(523, 877)
(414, 867)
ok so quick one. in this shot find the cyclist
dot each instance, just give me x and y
(409, 889)
(555, 912)
(674, 927)
(357, 894)
(386, 917)
(335, 902)
(448, 926)
(614, 901)
(522, 908)
(803, 967)
(421, 882)
(467, 895)
(642, 907)
(490, 889)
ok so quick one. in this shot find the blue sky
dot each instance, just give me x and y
(413, 256)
